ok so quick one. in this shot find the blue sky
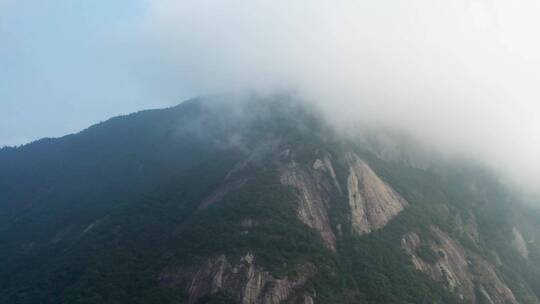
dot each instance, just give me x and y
(65, 65)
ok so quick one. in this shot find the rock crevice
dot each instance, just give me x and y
(313, 197)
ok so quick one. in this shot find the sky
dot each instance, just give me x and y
(65, 65)
(461, 75)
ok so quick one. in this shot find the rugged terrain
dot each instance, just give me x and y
(255, 201)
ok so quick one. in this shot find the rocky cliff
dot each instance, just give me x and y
(372, 202)
(519, 243)
(313, 199)
(462, 271)
(245, 282)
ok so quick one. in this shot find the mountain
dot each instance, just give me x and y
(256, 201)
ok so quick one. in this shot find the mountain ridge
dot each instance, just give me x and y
(258, 202)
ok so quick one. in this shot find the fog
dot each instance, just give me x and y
(461, 76)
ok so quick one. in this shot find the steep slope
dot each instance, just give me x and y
(460, 270)
(313, 198)
(373, 203)
(244, 282)
(254, 201)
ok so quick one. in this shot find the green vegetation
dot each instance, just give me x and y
(95, 217)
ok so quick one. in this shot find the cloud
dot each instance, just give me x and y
(460, 75)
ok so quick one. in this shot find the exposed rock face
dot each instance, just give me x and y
(519, 243)
(470, 227)
(313, 196)
(372, 202)
(326, 165)
(450, 268)
(460, 270)
(319, 165)
(245, 282)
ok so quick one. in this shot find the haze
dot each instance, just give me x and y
(462, 76)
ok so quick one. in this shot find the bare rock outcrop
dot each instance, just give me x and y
(519, 243)
(372, 202)
(460, 270)
(450, 268)
(313, 197)
(470, 228)
(325, 165)
(245, 281)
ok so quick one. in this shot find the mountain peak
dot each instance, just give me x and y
(254, 201)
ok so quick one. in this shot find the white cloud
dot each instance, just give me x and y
(461, 75)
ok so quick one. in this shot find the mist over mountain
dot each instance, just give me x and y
(347, 152)
(459, 76)
(256, 200)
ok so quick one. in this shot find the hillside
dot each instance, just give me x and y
(259, 202)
